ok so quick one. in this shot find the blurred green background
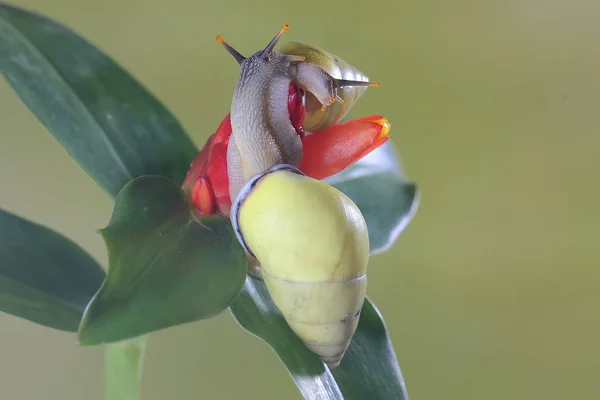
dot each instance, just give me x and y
(491, 292)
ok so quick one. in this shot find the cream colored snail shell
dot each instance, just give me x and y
(313, 247)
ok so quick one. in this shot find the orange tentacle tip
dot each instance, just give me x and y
(220, 39)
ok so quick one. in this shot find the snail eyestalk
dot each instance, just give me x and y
(340, 83)
(238, 57)
(275, 40)
(347, 83)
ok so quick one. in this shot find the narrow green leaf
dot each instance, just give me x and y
(113, 127)
(123, 369)
(165, 267)
(369, 369)
(254, 310)
(379, 188)
(44, 277)
(370, 364)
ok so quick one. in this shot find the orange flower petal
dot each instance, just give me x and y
(334, 149)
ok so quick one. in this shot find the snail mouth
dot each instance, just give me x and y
(297, 108)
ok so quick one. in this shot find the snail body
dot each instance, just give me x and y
(313, 246)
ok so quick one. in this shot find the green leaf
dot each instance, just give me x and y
(254, 310)
(379, 188)
(369, 368)
(44, 277)
(123, 368)
(370, 364)
(113, 127)
(165, 267)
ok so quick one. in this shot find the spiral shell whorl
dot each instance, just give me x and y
(313, 246)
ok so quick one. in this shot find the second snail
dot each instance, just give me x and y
(263, 169)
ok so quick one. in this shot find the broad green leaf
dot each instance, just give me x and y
(113, 127)
(369, 368)
(44, 277)
(379, 188)
(123, 368)
(165, 267)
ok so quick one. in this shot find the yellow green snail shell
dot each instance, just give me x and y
(313, 247)
(317, 119)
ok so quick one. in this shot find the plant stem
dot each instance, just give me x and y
(123, 369)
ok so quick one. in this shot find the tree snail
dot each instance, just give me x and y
(310, 239)
(313, 247)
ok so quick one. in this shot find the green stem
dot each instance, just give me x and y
(124, 364)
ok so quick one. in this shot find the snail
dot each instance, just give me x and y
(313, 246)
(262, 132)
(310, 239)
